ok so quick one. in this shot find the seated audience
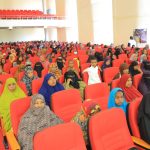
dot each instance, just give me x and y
(38, 67)
(144, 118)
(28, 78)
(107, 63)
(124, 68)
(117, 99)
(93, 72)
(10, 93)
(88, 109)
(50, 86)
(37, 118)
(144, 85)
(131, 93)
(53, 69)
(134, 68)
(72, 81)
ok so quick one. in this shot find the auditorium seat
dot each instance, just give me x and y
(66, 136)
(66, 103)
(108, 130)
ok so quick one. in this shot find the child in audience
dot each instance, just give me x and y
(71, 67)
(131, 93)
(82, 118)
(117, 99)
(50, 86)
(10, 93)
(44, 62)
(72, 81)
(37, 118)
(93, 72)
(28, 78)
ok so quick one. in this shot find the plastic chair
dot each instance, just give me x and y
(132, 113)
(66, 136)
(109, 74)
(36, 85)
(137, 79)
(115, 83)
(96, 90)
(23, 87)
(66, 103)
(117, 62)
(108, 130)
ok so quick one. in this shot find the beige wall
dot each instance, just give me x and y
(125, 19)
(21, 4)
(60, 10)
(20, 34)
(85, 25)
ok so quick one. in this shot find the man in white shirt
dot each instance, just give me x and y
(131, 42)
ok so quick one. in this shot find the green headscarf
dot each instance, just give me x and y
(5, 100)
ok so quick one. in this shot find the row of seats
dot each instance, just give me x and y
(105, 131)
(23, 14)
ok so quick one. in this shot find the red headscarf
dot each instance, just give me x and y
(90, 106)
(130, 92)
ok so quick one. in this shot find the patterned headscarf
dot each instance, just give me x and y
(33, 121)
(27, 80)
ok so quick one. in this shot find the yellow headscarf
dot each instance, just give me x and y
(6, 99)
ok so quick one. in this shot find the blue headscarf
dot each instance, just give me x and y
(111, 102)
(46, 90)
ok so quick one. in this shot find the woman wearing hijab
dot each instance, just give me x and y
(50, 86)
(72, 81)
(134, 68)
(60, 63)
(131, 93)
(88, 109)
(10, 93)
(117, 99)
(107, 63)
(124, 68)
(38, 67)
(144, 85)
(28, 78)
(144, 118)
(53, 69)
(37, 118)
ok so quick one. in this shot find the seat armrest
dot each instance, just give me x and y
(140, 142)
(12, 141)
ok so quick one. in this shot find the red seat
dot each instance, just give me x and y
(84, 66)
(109, 74)
(36, 85)
(108, 130)
(23, 87)
(4, 77)
(136, 80)
(13, 70)
(66, 136)
(115, 83)
(117, 62)
(66, 103)
(96, 90)
(83, 59)
(123, 57)
(133, 113)
(17, 110)
(44, 72)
